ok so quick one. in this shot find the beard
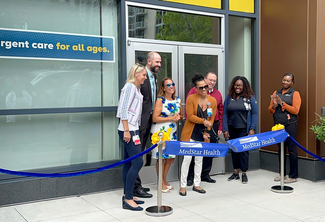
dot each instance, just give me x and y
(153, 69)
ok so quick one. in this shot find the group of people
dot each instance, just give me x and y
(142, 111)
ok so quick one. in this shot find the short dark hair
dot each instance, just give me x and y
(289, 74)
(196, 78)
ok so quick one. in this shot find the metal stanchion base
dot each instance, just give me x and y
(154, 211)
(282, 189)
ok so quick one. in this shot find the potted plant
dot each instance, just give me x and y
(319, 128)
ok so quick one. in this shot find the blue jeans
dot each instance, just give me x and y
(131, 168)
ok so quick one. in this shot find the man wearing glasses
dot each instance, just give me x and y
(211, 80)
(149, 92)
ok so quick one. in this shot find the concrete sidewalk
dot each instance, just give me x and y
(224, 201)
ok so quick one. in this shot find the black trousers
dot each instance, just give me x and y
(292, 149)
(144, 135)
(207, 161)
(239, 160)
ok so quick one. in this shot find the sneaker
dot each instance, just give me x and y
(244, 178)
(278, 178)
(234, 176)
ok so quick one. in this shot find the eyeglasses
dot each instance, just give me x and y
(203, 87)
(170, 84)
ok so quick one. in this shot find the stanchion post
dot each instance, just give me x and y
(282, 188)
(159, 210)
(282, 166)
(159, 195)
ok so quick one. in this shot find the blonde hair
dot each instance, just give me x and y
(135, 68)
(161, 91)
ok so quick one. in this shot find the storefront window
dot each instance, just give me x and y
(48, 140)
(240, 47)
(173, 26)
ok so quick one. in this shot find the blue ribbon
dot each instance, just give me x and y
(27, 174)
(310, 153)
(195, 149)
(220, 150)
(257, 140)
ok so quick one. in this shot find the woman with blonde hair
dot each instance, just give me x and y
(129, 112)
(167, 112)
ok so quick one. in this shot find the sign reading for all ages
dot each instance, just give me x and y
(55, 46)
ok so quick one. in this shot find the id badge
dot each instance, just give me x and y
(136, 139)
(209, 112)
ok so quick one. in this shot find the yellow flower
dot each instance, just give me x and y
(166, 136)
(277, 127)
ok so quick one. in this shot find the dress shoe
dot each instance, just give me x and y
(146, 189)
(208, 179)
(189, 182)
(129, 207)
(136, 201)
(141, 193)
(290, 180)
(182, 193)
(199, 191)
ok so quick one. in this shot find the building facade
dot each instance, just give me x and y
(59, 99)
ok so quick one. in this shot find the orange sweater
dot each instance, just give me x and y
(294, 109)
(192, 103)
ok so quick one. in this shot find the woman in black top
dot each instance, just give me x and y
(285, 105)
(240, 115)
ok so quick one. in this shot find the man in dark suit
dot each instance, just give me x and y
(149, 92)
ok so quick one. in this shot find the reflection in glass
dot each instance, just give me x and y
(173, 26)
(28, 84)
(50, 140)
(198, 64)
(79, 95)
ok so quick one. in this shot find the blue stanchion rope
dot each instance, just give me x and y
(27, 174)
(310, 153)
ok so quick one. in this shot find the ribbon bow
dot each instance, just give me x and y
(277, 127)
(166, 136)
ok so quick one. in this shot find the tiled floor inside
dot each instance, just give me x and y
(224, 201)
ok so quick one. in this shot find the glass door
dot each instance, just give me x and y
(199, 60)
